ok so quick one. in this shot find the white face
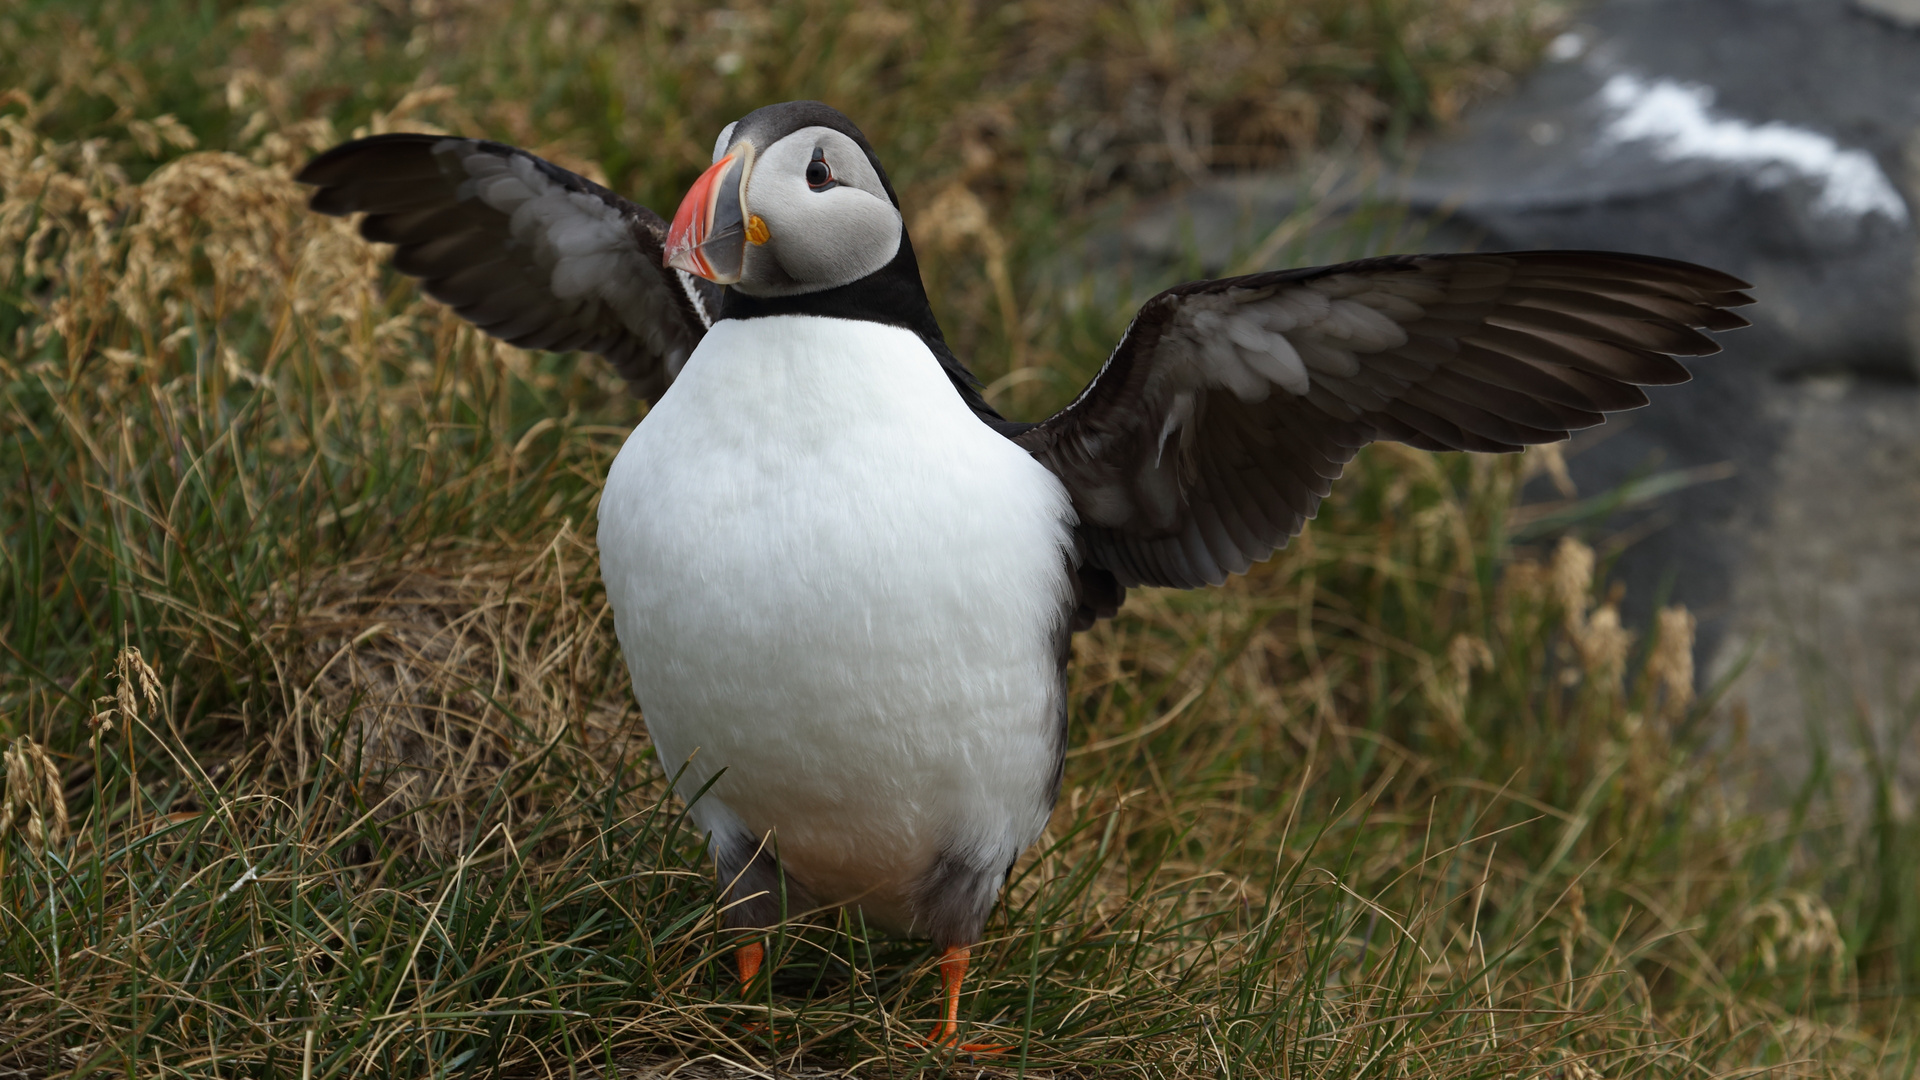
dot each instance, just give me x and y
(828, 218)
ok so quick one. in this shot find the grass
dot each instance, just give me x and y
(320, 756)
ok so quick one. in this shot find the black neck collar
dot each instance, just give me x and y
(892, 296)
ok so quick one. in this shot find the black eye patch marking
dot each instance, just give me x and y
(819, 173)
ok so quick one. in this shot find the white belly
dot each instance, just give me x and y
(831, 580)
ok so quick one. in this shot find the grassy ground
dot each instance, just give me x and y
(320, 756)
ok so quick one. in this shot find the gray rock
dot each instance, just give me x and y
(1903, 13)
(1824, 618)
(1764, 138)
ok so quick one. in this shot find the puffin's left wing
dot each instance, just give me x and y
(531, 253)
(1229, 408)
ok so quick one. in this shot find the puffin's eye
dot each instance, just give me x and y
(819, 175)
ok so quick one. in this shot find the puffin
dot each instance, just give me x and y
(844, 585)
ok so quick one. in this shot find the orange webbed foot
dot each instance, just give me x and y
(946, 1038)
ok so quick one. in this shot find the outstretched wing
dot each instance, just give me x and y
(1230, 407)
(525, 250)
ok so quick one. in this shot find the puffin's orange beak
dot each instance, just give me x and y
(709, 234)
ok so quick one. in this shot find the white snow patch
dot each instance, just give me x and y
(1677, 119)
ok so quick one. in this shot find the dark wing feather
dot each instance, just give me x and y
(525, 250)
(1230, 407)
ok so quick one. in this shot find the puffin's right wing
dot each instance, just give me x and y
(533, 254)
(1229, 408)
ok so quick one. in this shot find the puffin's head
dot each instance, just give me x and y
(795, 202)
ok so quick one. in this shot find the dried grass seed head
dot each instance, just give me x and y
(1572, 573)
(34, 800)
(1670, 667)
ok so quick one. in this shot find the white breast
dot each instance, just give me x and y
(833, 581)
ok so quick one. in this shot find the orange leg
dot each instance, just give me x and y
(953, 971)
(748, 958)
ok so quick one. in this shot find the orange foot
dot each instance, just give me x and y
(944, 1038)
(953, 969)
